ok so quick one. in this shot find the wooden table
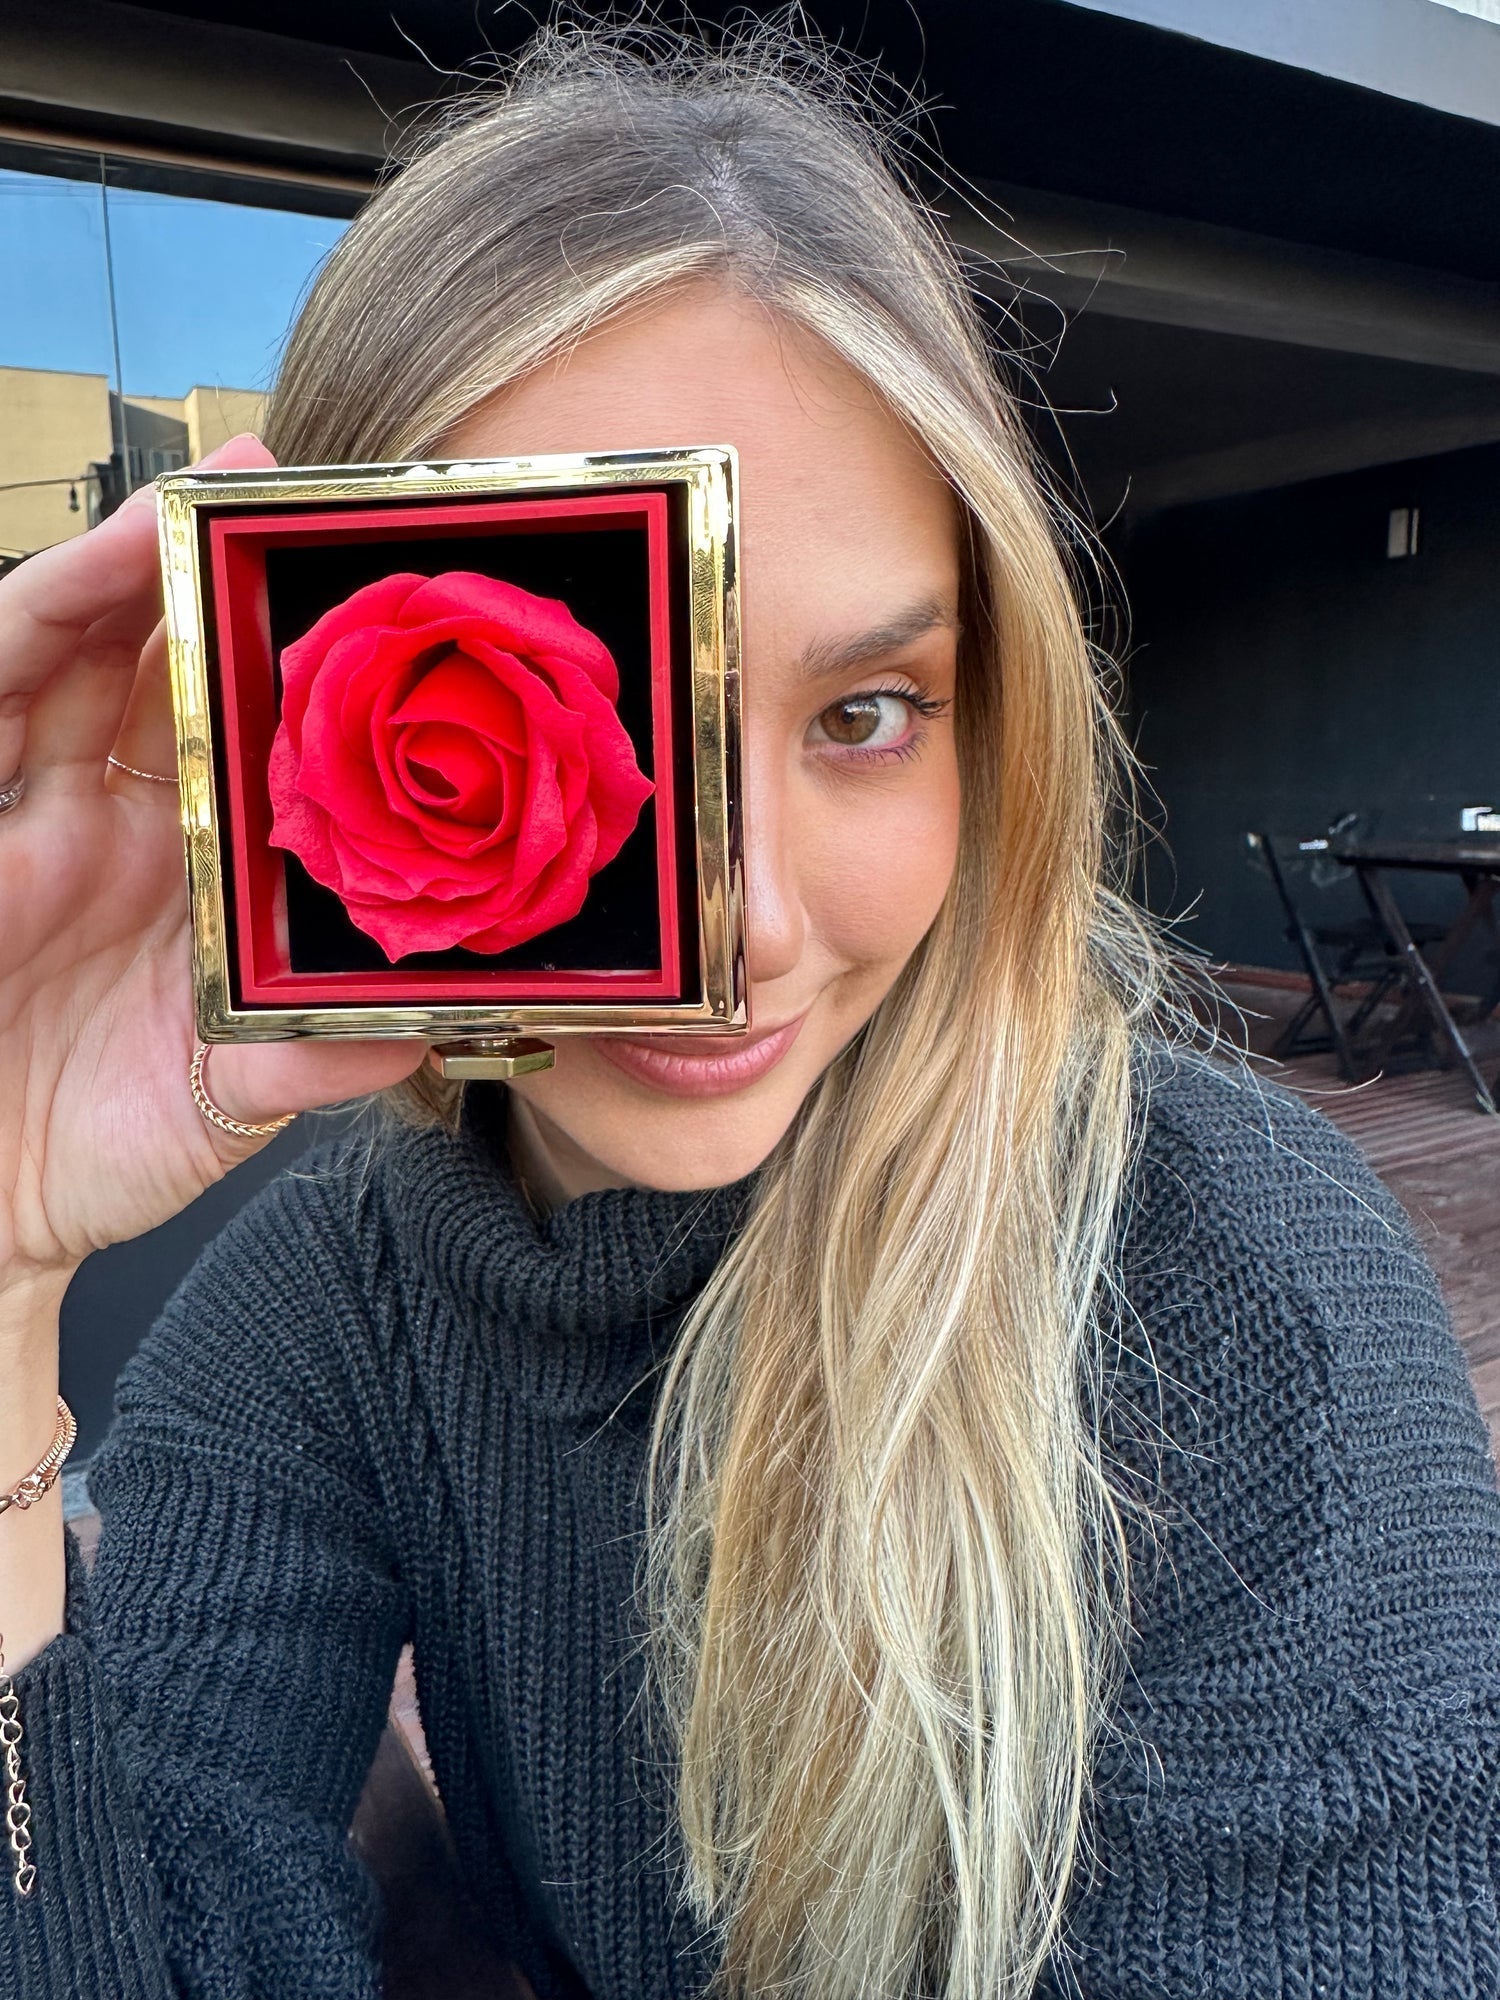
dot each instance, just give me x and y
(1476, 864)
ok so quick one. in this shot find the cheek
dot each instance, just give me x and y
(875, 870)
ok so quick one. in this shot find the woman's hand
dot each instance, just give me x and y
(99, 1136)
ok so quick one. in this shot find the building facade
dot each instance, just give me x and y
(60, 431)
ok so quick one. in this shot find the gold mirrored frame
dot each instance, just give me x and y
(477, 1034)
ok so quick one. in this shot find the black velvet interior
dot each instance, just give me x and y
(601, 575)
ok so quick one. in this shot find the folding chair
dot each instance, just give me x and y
(1360, 953)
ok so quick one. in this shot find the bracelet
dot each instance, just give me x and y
(42, 1477)
(17, 1811)
(37, 1484)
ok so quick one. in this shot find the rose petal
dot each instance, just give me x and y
(373, 683)
(493, 695)
(522, 621)
(376, 604)
(543, 828)
(558, 895)
(460, 688)
(446, 766)
(364, 678)
(303, 828)
(535, 695)
(422, 869)
(618, 788)
(481, 731)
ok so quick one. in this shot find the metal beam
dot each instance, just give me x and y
(98, 70)
(1094, 256)
(1261, 464)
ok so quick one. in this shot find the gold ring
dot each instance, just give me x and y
(222, 1119)
(151, 777)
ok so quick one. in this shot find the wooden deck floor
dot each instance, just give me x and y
(1440, 1156)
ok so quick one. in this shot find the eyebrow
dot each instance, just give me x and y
(826, 657)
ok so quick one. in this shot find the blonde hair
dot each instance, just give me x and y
(884, 1571)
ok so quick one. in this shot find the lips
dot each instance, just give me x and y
(705, 1045)
(700, 1065)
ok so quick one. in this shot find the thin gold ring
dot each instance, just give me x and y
(222, 1119)
(151, 777)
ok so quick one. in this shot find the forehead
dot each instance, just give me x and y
(843, 515)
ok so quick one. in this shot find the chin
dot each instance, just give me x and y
(704, 1145)
(655, 1139)
(690, 1171)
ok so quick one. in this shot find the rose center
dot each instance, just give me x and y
(448, 769)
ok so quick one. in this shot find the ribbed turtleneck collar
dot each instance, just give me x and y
(579, 1304)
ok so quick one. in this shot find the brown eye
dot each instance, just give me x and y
(876, 722)
(855, 720)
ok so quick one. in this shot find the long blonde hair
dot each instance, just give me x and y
(884, 1572)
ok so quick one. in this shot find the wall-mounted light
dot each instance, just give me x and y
(1401, 531)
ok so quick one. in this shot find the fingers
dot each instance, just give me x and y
(102, 583)
(73, 621)
(257, 1082)
(146, 739)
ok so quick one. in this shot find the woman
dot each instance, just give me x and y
(951, 1498)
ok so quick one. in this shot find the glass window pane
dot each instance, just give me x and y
(56, 364)
(205, 292)
(187, 300)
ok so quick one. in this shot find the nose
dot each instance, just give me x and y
(776, 921)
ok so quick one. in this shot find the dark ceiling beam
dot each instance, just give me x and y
(122, 77)
(1037, 93)
(100, 73)
(1095, 257)
(1289, 458)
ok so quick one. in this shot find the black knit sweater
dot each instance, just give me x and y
(389, 1404)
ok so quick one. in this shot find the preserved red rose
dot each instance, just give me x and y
(451, 763)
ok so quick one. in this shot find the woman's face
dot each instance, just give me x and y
(850, 570)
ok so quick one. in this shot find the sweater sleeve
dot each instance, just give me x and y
(1302, 1795)
(196, 1740)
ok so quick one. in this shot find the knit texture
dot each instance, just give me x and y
(387, 1403)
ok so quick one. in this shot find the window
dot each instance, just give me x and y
(139, 327)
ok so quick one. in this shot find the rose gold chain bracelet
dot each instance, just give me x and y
(37, 1484)
(42, 1477)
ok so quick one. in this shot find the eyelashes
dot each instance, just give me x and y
(875, 725)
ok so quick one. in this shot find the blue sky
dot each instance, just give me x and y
(204, 290)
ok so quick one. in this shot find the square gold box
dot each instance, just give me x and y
(648, 537)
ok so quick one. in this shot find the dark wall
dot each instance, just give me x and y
(118, 1292)
(1286, 671)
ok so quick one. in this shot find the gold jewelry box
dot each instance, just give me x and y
(459, 749)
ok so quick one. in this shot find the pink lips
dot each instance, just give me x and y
(691, 1066)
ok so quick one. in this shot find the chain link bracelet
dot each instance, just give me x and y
(17, 1811)
(42, 1477)
(37, 1484)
